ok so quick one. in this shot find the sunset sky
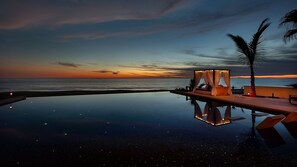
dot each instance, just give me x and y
(139, 38)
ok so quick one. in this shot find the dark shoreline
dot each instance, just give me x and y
(5, 95)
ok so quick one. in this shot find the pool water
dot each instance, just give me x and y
(141, 129)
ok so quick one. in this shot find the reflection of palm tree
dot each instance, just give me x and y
(250, 50)
(251, 148)
(290, 17)
(253, 120)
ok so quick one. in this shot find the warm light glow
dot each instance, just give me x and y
(29, 70)
(267, 76)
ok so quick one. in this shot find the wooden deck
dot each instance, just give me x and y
(272, 105)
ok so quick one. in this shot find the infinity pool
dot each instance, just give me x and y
(143, 129)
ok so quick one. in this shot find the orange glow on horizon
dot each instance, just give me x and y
(62, 72)
(268, 76)
(27, 69)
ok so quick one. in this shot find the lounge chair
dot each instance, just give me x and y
(292, 97)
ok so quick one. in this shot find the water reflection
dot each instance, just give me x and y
(133, 129)
(211, 114)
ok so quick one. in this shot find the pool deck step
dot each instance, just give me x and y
(270, 105)
(11, 100)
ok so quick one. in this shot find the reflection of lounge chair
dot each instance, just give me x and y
(269, 122)
(236, 118)
(259, 114)
(292, 117)
(271, 137)
(292, 97)
(292, 128)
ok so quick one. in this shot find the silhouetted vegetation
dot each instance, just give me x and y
(250, 50)
(290, 20)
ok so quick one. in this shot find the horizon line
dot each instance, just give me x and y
(282, 76)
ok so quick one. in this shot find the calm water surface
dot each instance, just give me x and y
(112, 84)
(145, 129)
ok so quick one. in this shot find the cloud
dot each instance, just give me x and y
(106, 71)
(18, 13)
(65, 64)
(203, 21)
(289, 53)
(101, 35)
(220, 57)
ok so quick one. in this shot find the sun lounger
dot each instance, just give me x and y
(292, 97)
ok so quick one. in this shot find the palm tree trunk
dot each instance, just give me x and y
(253, 88)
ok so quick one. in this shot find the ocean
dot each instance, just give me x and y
(116, 84)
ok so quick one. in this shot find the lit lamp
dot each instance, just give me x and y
(10, 94)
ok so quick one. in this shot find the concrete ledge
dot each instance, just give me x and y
(269, 91)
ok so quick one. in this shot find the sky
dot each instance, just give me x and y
(139, 38)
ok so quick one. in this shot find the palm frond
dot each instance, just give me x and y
(256, 38)
(290, 17)
(242, 45)
(290, 34)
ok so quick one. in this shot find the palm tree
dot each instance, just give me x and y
(250, 50)
(290, 17)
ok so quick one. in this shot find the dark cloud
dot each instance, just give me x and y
(106, 71)
(18, 13)
(217, 18)
(69, 64)
(288, 53)
(222, 57)
(101, 35)
(144, 67)
(276, 67)
(203, 21)
(201, 55)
